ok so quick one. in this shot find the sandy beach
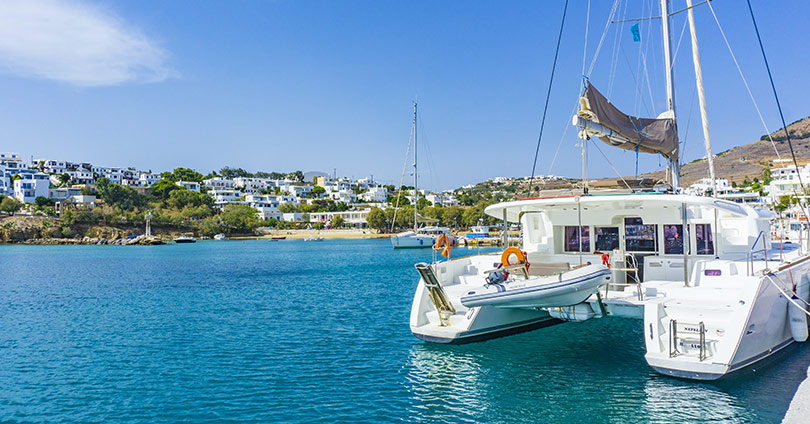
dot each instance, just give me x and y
(326, 234)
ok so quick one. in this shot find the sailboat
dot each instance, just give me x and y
(419, 236)
(711, 292)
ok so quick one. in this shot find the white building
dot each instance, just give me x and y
(31, 185)
(148, 179)
(266, 205)
(356, 219)
(224, 196)
(189, 185)
(375, 195)
(785, 181)
(220, 183)
(63, 193)
(298, 190)
(704, 186)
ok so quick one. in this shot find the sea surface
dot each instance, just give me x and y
(294, 332)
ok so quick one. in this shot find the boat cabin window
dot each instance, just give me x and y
(640, 237)
(703, 235)
(673, 239)
(572, 236)
(607, 238)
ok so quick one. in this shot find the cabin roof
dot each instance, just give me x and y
(622, 201)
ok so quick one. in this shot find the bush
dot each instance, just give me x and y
(10, 205)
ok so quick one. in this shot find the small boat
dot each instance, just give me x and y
(421, 237)
(185, 239)
(277, 238)
(313, 238)
(563, 289)
(220, 237)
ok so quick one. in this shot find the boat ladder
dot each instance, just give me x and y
(687, 336)
(436, 293)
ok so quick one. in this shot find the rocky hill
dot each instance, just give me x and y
(750, 160)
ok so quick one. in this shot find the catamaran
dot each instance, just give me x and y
(710, 290)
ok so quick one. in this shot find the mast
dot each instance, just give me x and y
(674, 166)
(415, 173)
(701, 97)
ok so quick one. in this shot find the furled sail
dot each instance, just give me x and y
(647, 135)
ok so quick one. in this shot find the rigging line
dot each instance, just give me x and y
(614, 62)
(779, 106)
(434, 177)
(638, 93)
(602, 40)
(585, 49)
(614, 168)
(745, 82)
(402, 180)
(678, 46)
(565, 131)
(548, 95)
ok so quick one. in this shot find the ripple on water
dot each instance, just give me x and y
(312, 332)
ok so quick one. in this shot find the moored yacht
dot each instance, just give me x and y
(713, 293)
(420, 237)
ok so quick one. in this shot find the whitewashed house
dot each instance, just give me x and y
(31, 185)
(356, 219)
(189, 185)
(375, 195)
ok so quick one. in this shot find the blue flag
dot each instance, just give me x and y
(636, 33)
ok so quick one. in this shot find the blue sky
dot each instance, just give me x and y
(317, 85)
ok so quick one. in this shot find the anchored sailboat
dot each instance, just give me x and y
(712, 293)
(420, 236)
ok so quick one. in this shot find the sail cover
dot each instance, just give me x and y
(647, 135)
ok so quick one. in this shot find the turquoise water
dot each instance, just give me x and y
(291, 331)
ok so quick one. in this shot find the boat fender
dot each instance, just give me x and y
(605, 258)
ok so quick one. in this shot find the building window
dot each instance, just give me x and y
(673, 239)
(607, 238)
(703, 236)
(640, 237)
(572, 238)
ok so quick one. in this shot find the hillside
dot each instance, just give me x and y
(750, 160)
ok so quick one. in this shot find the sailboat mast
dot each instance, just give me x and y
(415, 173)
(674, 166)
(704, 117)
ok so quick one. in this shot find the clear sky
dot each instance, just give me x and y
(316, 85)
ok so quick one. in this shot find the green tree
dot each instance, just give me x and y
(451, 216)
(240, 218)
(403, 201)
(376, 219)
(338, 222)
(767, 176)
(423, 203)
(44, 202)
(287, 208)
(163, 188)
(10, 205)
(119, 196)
(318, 191)
(296, 176)
(64, 179)
(182, 198)
(182, 174)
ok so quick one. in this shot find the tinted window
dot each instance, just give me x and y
(640, 237)
(703, 234)
(572, 236)
(607, 238)
(673, 239)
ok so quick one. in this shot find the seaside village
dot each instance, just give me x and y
(72, 182)
(68, 182)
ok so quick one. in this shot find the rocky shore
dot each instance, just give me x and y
(19, 229)
(135, 241)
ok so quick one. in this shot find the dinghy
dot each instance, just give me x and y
(562, 289)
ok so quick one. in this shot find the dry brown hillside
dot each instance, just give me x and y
(750, 160)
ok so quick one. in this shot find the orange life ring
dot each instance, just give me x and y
(521, 259)
(443, 244)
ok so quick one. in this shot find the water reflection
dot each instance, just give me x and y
(588, 372)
